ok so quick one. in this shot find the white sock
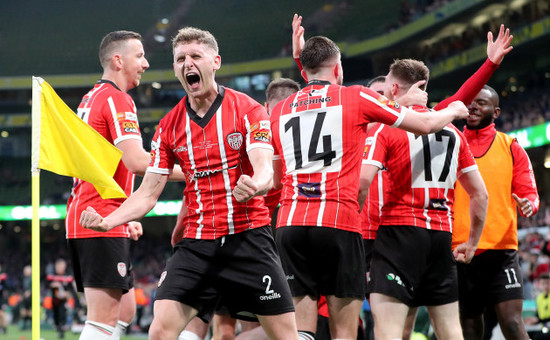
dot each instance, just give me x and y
(96, 331)
(188, 335)
(120, 329)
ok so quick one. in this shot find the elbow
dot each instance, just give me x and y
(136, 169)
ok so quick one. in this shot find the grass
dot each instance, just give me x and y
(47, 334)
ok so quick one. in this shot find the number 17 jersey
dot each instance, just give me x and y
(319, 134)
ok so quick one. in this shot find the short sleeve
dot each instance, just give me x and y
(258, 129)
(122, 118)
(162, 156)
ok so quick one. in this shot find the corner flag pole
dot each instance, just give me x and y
(35, 229)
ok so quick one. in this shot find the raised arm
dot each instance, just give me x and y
(496, 50)
(298, 42)
(479, 200)
(134, 208)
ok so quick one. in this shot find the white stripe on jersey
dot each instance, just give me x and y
(323, 184)
(294, 175)
(194, 167)
(225, 172)
(115, 119)
(426, 205)
(156, 146)
(380, 193)
(375, 101)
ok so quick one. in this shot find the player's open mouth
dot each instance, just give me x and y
(192, 79)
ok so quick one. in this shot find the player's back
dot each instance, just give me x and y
(421, 174)
(319, 135)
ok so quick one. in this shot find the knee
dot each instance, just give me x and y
(512, 327)
(157, 333)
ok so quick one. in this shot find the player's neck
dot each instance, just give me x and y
(201, 104)
(118, 81)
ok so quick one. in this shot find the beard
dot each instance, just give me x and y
(482, 123)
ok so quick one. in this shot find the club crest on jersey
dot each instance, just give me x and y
(235, 140)
(162, 277)
(121, 267)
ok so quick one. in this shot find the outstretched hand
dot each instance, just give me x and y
(499, 48)
(524, 205)
(298, 40)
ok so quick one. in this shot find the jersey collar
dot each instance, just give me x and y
(202, 122)
(318, 82)
(103, 81)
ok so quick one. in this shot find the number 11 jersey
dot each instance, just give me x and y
(319, 134)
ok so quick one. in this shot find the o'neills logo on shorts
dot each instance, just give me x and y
(273, 296)
(162, 277)
(121, 266)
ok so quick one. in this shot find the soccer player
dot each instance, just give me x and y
(61, 286)
(108, 284)
(370, 215)
(412, 262)
(221, 138)
(276, 91)
(319, 134)
(493, 279)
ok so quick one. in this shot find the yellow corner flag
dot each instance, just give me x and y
(63, 143)
(69, 146)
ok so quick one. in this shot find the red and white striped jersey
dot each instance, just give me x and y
(112, 113)
(319, 135)
(372, 210)
(421, 174)
(213, 153)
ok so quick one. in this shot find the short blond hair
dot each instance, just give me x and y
(189, 34)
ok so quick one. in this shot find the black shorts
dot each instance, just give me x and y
(369, 248)
(322, 261)
(414, 265)
(102, 262)
(493, 276)
(242, 270)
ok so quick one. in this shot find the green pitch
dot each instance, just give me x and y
(15, 334)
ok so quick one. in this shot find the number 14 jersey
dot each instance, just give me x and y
(319, 134)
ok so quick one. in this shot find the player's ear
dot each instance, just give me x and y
(496, 114)
(394, 89)
(217, 62)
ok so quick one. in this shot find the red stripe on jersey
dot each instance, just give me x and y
(319, 135)
(112, 113)
(421, 174)
(372, 210)
(214, 161)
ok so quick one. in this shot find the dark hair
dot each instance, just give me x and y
(377, 79)
(112, 41)
(317, 52)
(410, 71)
(281, 88)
